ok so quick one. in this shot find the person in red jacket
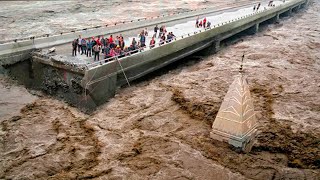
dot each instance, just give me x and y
(98, 41)
(111, 39)
(204, 22)
(112, 45)
(152, 43)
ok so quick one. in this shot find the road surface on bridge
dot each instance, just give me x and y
(64, 52)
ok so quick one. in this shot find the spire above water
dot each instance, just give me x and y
(236, 122)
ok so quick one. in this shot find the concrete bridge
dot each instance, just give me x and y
(90, 85)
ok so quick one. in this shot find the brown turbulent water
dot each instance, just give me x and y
(159, 128)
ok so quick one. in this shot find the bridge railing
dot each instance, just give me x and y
(110, 24)
(107, 60)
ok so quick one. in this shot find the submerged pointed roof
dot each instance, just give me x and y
(236, 119)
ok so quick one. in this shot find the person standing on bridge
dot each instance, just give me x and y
(89, 48)
(146, 32)
(258, 6)
(84, 46)
(208, 24)
(80, 44)
(160, 31)
(200, 24)
(169, 37)
(197, 22)
(111, 41)
(204, 22)
(142, 39)
(270, 3)
(74, 47)
(155, 31)
(96, 50)
(134, 43)
(121, 43)
(103, 43)
(98, 41)
(106, 51)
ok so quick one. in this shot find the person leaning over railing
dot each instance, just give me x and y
(152, 43)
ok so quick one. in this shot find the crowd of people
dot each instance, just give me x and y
(116, 47)
(110, 47)
(202, 23)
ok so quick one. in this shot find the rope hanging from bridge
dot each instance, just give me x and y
(123, 71)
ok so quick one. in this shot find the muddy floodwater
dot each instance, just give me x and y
(159, 127)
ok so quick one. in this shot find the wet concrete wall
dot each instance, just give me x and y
(61, 83)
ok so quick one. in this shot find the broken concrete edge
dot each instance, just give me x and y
(55, 64)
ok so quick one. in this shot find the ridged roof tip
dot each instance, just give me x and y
(236, 117)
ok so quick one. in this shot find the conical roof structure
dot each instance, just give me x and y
(236, 122)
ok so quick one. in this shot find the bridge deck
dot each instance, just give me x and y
(180, 28)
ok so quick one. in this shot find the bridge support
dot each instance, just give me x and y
(276, 19)
(287, 13)
(254, 29)
(296, 9)
(215, 47)
(304, 4)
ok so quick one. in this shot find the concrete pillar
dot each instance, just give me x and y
(305, 4)
(254, 29)
(215, 47)
(295, 9)
(276, 19)
(288, 13)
